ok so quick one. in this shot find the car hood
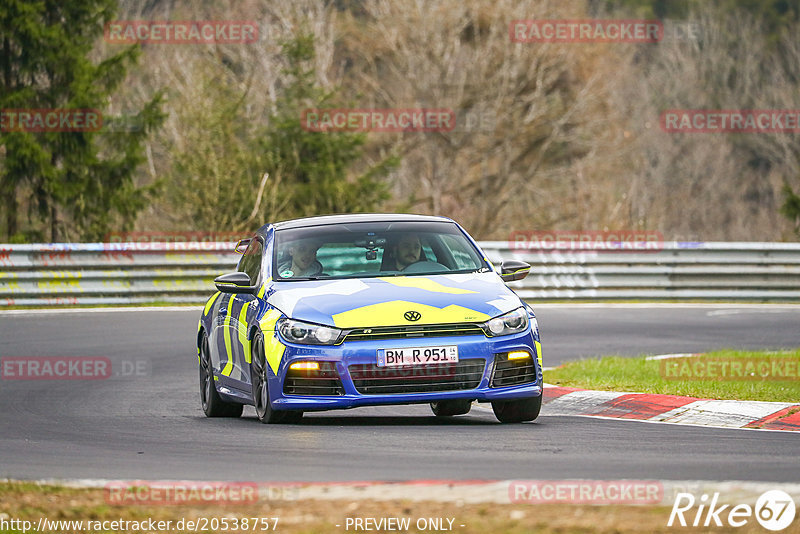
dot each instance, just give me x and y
(373, 302)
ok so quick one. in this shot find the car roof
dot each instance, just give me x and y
(355, 217)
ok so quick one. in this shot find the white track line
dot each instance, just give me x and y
(670, 356)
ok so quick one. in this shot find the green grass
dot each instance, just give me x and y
(616, 373)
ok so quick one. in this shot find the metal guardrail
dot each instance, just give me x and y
(116, 273)
(676, 270)
(127, 273)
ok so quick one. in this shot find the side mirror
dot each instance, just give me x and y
(234, 283)
(513, 270)
(242, 245)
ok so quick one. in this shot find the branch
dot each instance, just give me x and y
(257, 206)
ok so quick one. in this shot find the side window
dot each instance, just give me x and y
(427, 251)
(251, 261)
(464, 258)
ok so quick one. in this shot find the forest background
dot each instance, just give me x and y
(548, 136)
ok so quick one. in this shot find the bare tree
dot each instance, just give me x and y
(534, 134)
(547, 136)
(721, 186)
(219, 97)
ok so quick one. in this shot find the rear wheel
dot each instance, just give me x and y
(517, 411)
(260, 383)
(451, 407)
(213, 405)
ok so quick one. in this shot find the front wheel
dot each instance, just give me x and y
(213, 405)
(517, 411)
(260, 384)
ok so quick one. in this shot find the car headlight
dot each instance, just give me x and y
(307, 333)
(511, 323)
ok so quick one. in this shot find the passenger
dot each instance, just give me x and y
(302, 260)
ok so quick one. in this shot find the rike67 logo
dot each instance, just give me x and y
(774, 510)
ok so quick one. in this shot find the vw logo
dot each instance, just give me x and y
(412, 315)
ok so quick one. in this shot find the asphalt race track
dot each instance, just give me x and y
(149, 425)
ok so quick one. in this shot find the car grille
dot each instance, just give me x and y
(423, 330)
(324, 381)
(512, 372)
(369, 379)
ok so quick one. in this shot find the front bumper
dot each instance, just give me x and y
(360, 353)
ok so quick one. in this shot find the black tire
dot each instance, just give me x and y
(451, 407)
(517, 411)
(260, 383)
(212, 404)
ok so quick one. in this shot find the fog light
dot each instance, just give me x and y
(519, 355)
(304, 366)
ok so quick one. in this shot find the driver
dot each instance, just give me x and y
(302, 259)
(407, 250)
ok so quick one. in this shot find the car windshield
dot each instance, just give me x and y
(365, 249)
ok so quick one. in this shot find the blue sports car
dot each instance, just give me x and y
(362, 310)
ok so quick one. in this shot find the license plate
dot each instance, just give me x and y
(417, 356)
